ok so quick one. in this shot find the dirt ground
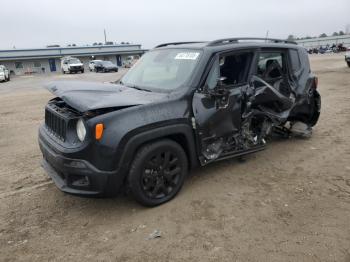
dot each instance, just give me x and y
(290, 202)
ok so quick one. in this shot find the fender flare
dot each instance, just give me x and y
(136, 138)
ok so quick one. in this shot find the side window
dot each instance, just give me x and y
(18, 65)
(271, 65)
(294, 60)
(234, 68)
(37, 64)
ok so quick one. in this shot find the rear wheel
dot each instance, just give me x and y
(157, 172)
(348, 64)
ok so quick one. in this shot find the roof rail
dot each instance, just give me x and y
(178, 43)
(236, 40)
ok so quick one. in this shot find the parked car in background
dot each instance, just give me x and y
(129, 62)
(182, 105)
(4, 74)
(71, 65)
(105, 66)
(92, 64)
(347, 56)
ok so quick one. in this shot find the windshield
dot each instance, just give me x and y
(162, 70)
(74, 61)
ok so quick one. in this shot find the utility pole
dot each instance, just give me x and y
(267, 35)
(104, 30)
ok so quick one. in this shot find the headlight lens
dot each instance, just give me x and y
(81, 130)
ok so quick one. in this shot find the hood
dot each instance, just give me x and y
(78, 64)
(85, 96)
(110, 66)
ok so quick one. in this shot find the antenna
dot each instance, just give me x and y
(104, 30)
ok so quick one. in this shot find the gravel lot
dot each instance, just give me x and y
(290, 202)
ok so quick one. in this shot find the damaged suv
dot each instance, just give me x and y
(182, 105)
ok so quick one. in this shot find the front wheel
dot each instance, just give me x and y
(348, 64)
(158, 172)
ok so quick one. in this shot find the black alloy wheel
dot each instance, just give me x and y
(158, 172)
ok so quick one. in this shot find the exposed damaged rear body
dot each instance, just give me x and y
(215, 99)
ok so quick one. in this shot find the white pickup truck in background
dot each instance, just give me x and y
(4, 74)
(71, 65)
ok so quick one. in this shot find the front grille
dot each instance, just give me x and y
(56, 124)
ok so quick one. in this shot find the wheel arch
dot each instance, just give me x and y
(180, 133)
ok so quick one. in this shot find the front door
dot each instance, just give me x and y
(217, 106)
(52, 64)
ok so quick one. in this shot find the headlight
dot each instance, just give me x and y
(81, 130)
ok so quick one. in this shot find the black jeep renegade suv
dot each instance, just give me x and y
(182, 105)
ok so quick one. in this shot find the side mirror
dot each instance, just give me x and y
(220, 84)
(218, 89)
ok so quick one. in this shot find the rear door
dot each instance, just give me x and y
(217, 110)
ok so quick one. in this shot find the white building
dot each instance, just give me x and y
(324, 41)
(44, 60)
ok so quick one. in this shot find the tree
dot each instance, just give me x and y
(323, 35)
(341, 33)
(291, 38)
(335, 34)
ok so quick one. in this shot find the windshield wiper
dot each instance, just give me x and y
(133, 86)
(138, 88)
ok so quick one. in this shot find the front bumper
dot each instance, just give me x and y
(76, 176)
(77, 69)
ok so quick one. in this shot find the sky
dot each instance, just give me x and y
(37, 23)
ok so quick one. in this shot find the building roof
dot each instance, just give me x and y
(56, 52)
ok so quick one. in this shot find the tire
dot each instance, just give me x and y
(348, 64)
(63, 72)
(315, 109)
(8, 78)
(157, 172)
(82, 71)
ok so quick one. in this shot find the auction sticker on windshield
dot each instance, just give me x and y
(187, 55)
